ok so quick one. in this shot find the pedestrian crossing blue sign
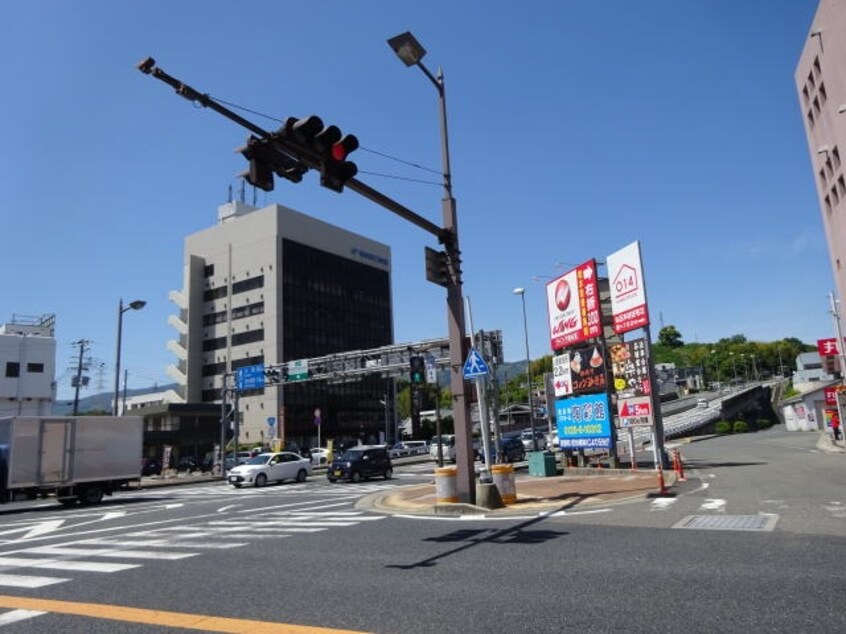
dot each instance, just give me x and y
(475, 365)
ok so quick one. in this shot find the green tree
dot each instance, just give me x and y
(670, 337)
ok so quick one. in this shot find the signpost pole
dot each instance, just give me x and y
(482, 398)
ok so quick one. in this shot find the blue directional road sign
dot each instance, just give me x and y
(475, 365)
(250, 377)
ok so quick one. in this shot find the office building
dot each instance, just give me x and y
(820, 79)
(272, 285)
(27, 366)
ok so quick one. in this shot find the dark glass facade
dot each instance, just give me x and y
(333, 304)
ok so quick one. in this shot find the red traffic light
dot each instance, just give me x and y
(344, 147)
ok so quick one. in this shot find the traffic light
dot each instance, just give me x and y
(337, 170)
(323, 148)
(437, 267)
(265, 160)
(260, 172)
(418, 370)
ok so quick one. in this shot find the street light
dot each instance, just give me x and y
(136, 305)
(410, 51)
(522, 293)
(716, 365)
(733, 367)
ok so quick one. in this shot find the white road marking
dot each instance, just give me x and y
(60, 564)
(13, 616)
(158, 543)
(34, 530)
(714, 505)
(26, 581)
(661, 504)
(122, 554)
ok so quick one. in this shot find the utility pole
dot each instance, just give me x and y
(82, 343)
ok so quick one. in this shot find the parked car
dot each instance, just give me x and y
(526, 437)
(362, 461)
(416, 447)
(151, 466)
(187, 463)
(512, 449)
(447, 442)
(270, 467)
(399, 450)
(319, 456)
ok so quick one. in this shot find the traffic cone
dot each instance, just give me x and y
(662, 487)
(680, 472)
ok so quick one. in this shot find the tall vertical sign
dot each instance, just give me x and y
(629, 311)
(628, 291)
(572, 302)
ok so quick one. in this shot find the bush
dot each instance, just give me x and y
(740, 427)
(723, 427)
(764, 423)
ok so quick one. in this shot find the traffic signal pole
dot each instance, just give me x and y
(293, 154)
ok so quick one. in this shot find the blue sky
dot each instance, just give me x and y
(575, 129)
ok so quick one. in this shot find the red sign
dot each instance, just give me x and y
(828, 347)
(830, 396)
(572, 302)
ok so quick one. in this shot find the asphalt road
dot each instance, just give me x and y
(315, 555)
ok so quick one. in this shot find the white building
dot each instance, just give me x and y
(153, 399)
(27, 366)
(272, 285)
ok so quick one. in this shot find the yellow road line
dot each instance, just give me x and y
(163, 618)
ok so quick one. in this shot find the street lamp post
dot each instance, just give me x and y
(716, 365)
(733, 367)
(522, 293)
(410, 51)
(136, 305)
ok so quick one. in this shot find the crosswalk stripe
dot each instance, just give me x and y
(13, 616)
(58, 564)
(26, 581)
(124, 554)
(162, 543)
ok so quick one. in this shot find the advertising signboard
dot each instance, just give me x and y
(635, 412)
(584, 422)
(827, 347)
(587, 366)
(630, 368)
(562, 380)
(572, 302)
(628, 292)
(830, 396)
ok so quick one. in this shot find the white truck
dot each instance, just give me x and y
(74, 458)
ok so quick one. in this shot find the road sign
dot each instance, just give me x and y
(475, 365)
(271, 421)
(250, 377)
(298, 370)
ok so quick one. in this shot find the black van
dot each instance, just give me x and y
(361, 461)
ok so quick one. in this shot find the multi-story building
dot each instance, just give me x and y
(27, 366)
(268, 286)
(820, 79)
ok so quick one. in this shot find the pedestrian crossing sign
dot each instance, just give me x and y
(475, 365)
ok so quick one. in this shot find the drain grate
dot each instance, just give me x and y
(729, 522)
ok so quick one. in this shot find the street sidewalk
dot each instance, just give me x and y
(578, 489)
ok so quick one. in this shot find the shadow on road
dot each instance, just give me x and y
(705, 464)
(468, 538)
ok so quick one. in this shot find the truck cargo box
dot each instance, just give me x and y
(44, 451)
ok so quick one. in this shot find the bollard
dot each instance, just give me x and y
(503, 477)
(446, 489)
(662, 487)
(680, 469)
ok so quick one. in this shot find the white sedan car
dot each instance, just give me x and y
(270, 467)
(320, 457)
